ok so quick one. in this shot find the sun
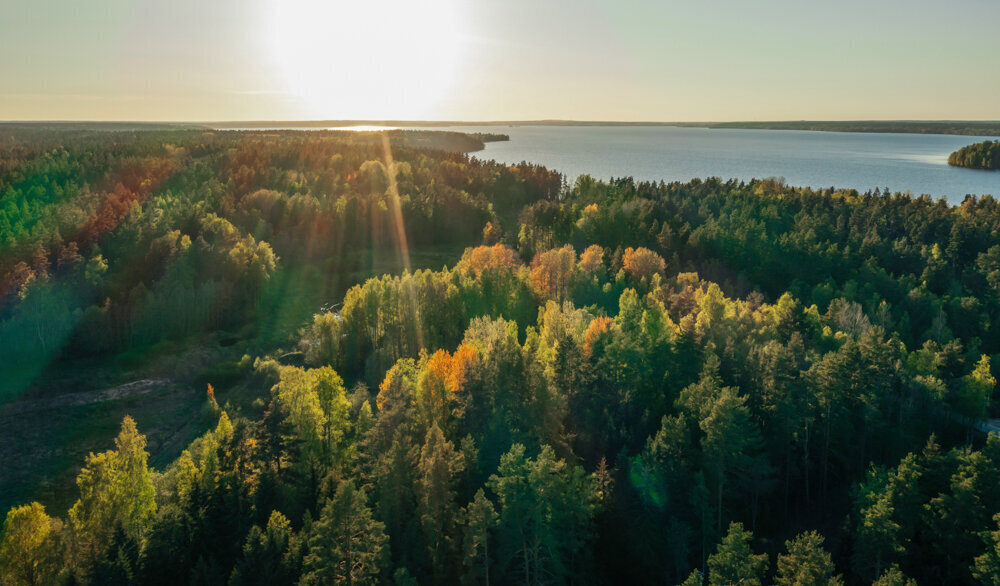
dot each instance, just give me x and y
(366, 59)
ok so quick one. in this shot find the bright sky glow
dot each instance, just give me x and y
(667, 60)
(357, 60)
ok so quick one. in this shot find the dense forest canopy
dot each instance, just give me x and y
(982, 155)
(602, 382)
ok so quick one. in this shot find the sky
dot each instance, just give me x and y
(628, 60)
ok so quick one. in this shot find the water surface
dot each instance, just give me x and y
(862, 161)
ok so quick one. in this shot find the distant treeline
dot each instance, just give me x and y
(961, 127)
(447, 141)
(973, 128)
(982, 155)
(490, 136)
(105, 126)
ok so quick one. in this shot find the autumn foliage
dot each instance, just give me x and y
(135, 181)
(453, 369)
(642, 263)
(440, 383)
(551, 271)
(481, 258)
(596, 331)
(592, 258)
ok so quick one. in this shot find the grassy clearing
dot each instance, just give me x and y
(42, 451)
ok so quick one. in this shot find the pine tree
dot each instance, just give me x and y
(480, 519)
(987, 566)
(806, 563)
(695, 578)
(894, 577)
(731, 443)
(547, 507)
(437, 470)
(876, 534)
(734, 562)
(346, 545)
(270, 556)
(119, 564)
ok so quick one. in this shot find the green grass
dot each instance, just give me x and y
(41, 452)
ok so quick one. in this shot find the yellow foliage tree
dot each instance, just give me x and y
(642, 263)
(552, 270)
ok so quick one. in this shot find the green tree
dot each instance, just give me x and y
(480, 520)
(27, 548)
(336, 407)
(975, 391)
(876, 535)
(731, 443)
(437, 470)
(695, 578)
(546, 512)
(987, 565)
(119, 563)
(893, 576)
(272, 555)
(115, 488)
(806, 563)
(734, 562)
(346, 545)
(300, 404)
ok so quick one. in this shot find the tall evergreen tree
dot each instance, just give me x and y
(734, 562)
(480, 521)
(346, 545)
(438, 468)
(546, 511)
(806, 563)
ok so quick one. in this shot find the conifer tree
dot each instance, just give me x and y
(346, 545)
(734, 562)
(806, 563)
(480, 520)
(437, 470)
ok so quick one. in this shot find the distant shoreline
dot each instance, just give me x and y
(959, 127)
(949, 127)
(955, 127)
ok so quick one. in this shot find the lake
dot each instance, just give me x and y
(902, 162)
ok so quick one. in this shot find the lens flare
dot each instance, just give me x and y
(366, 59)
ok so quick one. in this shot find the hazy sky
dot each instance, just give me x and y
(665, 60)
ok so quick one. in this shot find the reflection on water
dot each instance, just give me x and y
(917, 163)
(903, 162)
(363, 128)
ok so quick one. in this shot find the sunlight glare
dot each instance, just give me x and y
(368, 59)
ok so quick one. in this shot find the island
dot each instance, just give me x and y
(982, 155)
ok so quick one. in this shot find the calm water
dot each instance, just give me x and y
(902, 162)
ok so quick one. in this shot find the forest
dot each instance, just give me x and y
(982, 155)
(395, 363)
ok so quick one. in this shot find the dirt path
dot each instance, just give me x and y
(132, 389)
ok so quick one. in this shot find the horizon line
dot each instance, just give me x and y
(391, 122)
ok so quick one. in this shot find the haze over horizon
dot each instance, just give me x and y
(493, 60)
